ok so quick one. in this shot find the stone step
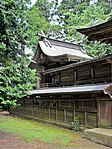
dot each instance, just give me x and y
(99, 135)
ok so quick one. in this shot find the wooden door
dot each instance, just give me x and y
(105, 113)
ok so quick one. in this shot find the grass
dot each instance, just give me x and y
(31, 130)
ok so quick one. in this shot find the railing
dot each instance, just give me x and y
(46, 85)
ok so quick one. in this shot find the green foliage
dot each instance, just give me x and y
(73, 14)
(15, 76)
(44, 7)
(36, 23)
(76, 125)
(81, 15)
(7, 104)
(97, 49)
(15, 82)
(40, 18)
(13, 28)
(19, 27)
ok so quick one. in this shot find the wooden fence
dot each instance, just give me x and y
(59, 109)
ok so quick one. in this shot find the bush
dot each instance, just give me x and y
(76, 125)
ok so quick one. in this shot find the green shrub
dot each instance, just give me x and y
(76, 124)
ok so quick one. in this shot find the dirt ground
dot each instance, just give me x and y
(10, 141)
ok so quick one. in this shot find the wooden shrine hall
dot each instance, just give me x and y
(101, 32)
(71, 85)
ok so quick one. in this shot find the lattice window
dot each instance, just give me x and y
(52, 104)
(65, 103)
(46, 103)
(85, 104)
(89, 104)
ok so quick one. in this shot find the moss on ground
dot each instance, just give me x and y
(31, 130)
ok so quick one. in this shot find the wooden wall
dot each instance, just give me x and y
(60, 108)
(89, 73)
(105, 112)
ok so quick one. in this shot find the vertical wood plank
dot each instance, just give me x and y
(111, 71)
(92, 74)
(42, 110)
(85, 118)
(74, 114)
(38, 82)
(98, 112)
(74, 107)
(49, 113)
(56, 114)
(75, 77)
(59, 79)
(65, 115)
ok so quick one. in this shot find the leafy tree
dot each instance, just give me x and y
(79, 14)
(41, 17)
(15, 81)
(44, 7)
(15, 77)
(36, 23)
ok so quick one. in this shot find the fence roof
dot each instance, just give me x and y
(71, 90)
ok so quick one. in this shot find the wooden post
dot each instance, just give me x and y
(75, 77)
(109, 60)
(38, 80)
(53, 80)
(85, 120)
(111, 71)
(98, 111)
(92, 75)
(42, 109)
(59, 79)
(56, 112)
(39, 71)
(49, 114)
(65, 115)
(74, 109)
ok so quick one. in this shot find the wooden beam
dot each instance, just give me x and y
(100, 31)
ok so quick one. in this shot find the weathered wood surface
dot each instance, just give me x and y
(94, 72)
(60, 109)
(101, 32)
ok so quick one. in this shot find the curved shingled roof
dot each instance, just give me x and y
(101, 32)
(57, 51)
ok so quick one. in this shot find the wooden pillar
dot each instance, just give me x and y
(109, 60)
(75, 76)
(38, 80)
(59, 79)
(98, 111)
(74, 108)
(111, 71)
(85, 115)
(92, 74)
(65, 115)
(56, 111)
(39, 75)
(49, 113)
